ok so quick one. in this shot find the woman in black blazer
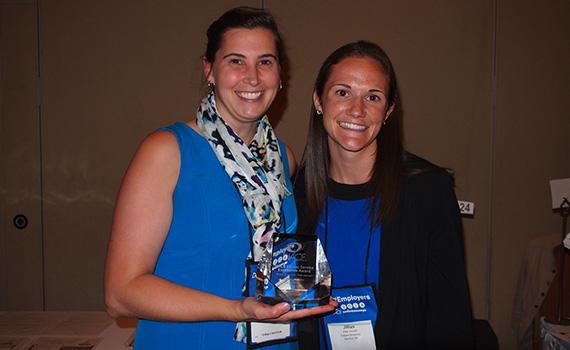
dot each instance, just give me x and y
(389, 220)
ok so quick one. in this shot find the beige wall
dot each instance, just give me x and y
(484, 86)
(532, 128)
(111, 73)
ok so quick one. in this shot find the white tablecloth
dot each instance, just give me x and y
(54, 330)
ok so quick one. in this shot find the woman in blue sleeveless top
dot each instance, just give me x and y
(201, 197)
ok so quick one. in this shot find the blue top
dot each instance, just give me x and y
(206, 245)
(346, 236)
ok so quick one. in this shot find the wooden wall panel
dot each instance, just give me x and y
(532, 129)
(21, 265)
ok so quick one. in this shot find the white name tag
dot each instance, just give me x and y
(351, 336)
(262, 332)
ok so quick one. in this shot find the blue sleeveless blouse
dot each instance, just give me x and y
(206, 245)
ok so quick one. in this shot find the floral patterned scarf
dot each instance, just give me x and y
(256, 171)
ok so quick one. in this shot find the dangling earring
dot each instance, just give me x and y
(211, 86)
(280, 85)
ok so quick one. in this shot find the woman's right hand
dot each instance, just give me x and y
(253, 310)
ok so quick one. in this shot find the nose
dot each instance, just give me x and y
(252, 75)
(357, 108)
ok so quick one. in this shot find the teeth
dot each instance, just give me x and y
(248, 95)
(352, 126)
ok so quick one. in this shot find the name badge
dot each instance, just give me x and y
(352, 335)
(263, 332)
(351, 326)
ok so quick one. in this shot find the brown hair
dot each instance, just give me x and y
(241, 17)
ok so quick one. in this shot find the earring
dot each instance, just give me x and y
(319, 112)
(280, 85)
(211, 86)
(384, 122)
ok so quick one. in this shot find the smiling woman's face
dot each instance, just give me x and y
(354, 105)
(246, 75)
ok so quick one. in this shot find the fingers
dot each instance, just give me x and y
(318, 310)
(333, 302)
(296, 314)
(255, 310)
(279, 310)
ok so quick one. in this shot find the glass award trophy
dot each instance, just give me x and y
(296, 271)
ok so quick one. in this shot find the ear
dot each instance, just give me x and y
(317, 101)
(208, 70)
(389, 111)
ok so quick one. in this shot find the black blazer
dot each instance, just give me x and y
(423, 297)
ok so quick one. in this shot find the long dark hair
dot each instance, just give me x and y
(387, 174)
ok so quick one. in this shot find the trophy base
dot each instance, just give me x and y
(307, 304)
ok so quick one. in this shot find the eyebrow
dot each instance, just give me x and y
(349, 87)
(265, 55)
